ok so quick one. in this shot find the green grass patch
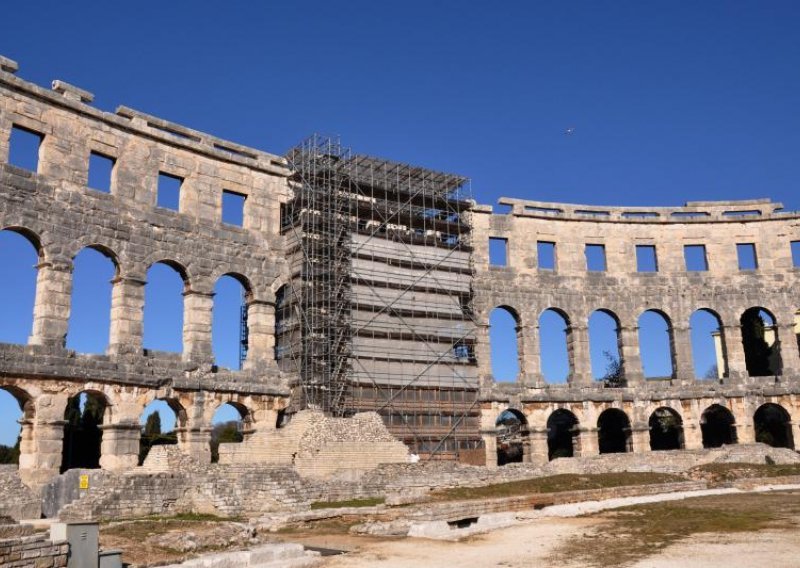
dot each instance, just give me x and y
(733, 471)
(554, 484)
(370, 502)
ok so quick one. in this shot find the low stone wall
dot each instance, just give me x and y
(16, 500)
(20, 547)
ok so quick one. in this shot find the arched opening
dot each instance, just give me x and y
(773, 426)
(614, 432)
(90, 311)
(666, 429)
(15, 406)
(760, 340)
(83, 436)
(504, 343)
(562, 434)
(229, 328)
(159, 421)
(163, 307)
(655, 345)
(512, 433)
(717, 426)
(287, 328)
(228, 426)
(709, 354)
(604, 347)
(19, 256)
(554, 351)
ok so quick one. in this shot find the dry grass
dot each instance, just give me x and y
(726, 472)
(369, 502)
(630, 534)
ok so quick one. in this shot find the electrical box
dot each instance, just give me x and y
(84, 543)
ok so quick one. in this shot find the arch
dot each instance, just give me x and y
(16, 406)
(761, 342)
(666, 429)
(562, 434)
(229, 425)
(512, 434)
(284, 326)
(504, 339)
(655, 345)
(555, 348)
(604, 346)
(717, 426)
(709, 352)
(94, 267)
(160, 421)
(164, 307)
(20, 253)
(229, 328)
(773, 426)
(85, 413)
(614, 432)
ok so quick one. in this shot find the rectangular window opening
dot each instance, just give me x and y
(169, 191)
(595, 258)
(24, 146)
(795, 253)
(101, 170)
(498, 251)
(546, 253)
(746, 253)
(646, 259)
(233, 208)
(695, 257)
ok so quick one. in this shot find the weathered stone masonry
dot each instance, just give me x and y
(60, 215)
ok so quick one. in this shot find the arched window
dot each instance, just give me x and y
(14, 406)
(504, 343)
(83, 438)
(163, 308)
(562, 434)
(666, 429)
(773, 426)
(228, 426)
(760, 340)
(159, 422)
(18, 257)
(554, 346)
(709, 353)
(718, 427)
(229, 330)
(604, 347)
(512, 431)
(614, 432)
(655, 345)
(90, 311)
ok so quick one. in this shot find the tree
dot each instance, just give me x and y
(9, 454)
(224, 433)
(153, 425)
(152, 436)
(614, 375)
(712, 372)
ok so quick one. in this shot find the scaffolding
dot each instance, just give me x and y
(378, 313)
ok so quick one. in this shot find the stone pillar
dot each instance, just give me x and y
(578, 349)
(681, 345)
(539, 451)
(127, 315)
(490, 445)
(589, 443)
(640, 438)
(27, 447)
(745, 431)
(795, 425)
(734, 352)
(631, 359)
(194, 438)
(119, 450)
(530, 357)
(483, 351)
(45, 463)
(260, 334)
(52, 305)
(790, 355)
(197, 318)
(692, 436)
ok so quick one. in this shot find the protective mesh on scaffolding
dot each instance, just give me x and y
(378, 313)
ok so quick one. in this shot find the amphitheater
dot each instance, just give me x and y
(369, 288)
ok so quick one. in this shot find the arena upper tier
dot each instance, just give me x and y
(421, 358)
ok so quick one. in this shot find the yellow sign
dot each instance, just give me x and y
(83, 482)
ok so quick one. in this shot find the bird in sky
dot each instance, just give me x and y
(570, 130)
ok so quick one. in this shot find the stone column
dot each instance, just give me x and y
(530, 357)
(631, 359)
(734, 352)
(45, 463)
(483, 351)
(127, 315)
(260, 334)
(578, 349)
(640, 438)
(745, 431)
(681, 345)
(795, 425)
(119, 450)
(194, 438)
(790, 356)
(589, 442)
(197, 318)
(27, 447)
(539, 451)
(490, 445)
(692, 436)
(52, 305)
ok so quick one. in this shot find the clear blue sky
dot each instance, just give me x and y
(670, 101)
